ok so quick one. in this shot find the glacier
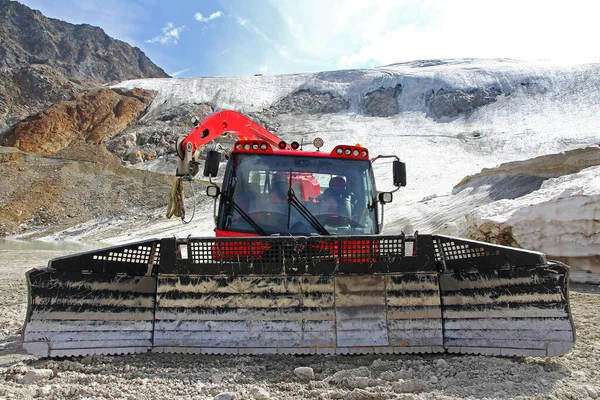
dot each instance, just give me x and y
(541, 109)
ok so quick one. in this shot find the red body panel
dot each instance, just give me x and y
(222, 233)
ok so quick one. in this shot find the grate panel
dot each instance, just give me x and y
(139, 255)
(453, 250)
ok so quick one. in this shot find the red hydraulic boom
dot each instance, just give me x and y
(215, 125)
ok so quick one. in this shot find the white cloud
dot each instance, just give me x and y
(263, 68)
(170, 34)
(212, 16)
(526, 30)
(357, 34)
(177, 73)
(327, 28)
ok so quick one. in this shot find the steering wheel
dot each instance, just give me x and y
(268, 218)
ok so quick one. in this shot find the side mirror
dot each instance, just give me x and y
(399, 173)
(211, 166)
(212, 191)
(385, 197)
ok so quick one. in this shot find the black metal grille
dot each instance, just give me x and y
(132, 259)
(462, 254)
(200, 252)
(141, 255)
(296, 255)
(394, 247)
(350, 249)
(456, 251)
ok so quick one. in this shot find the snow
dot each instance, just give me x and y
(544, 109)
(518, 126)
(561, 219)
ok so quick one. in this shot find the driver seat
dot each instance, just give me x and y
(335, 200)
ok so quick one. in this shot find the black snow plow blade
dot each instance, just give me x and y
(301, 295)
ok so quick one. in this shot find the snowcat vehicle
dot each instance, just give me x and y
(298, 266)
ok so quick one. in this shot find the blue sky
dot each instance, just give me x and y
(245, 37)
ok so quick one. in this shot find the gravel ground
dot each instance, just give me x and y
(156, 376)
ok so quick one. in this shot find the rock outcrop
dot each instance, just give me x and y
(92, 117)
(383, 102)
(305, 101)
(45, 60)
(29, 89)
(448, 104)
(157, 135)
(559, 217)
(548, 166)
(519, 178)
(78, 51)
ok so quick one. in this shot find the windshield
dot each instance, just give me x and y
(338, 192)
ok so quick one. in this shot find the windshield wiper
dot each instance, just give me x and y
(246, 217)
(302, 210)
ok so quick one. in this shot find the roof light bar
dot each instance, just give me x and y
(351, 151)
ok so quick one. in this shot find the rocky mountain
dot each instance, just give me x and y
(40, 193)
(30, 88)
(45, 60)
(91, 117)
(81, 52)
